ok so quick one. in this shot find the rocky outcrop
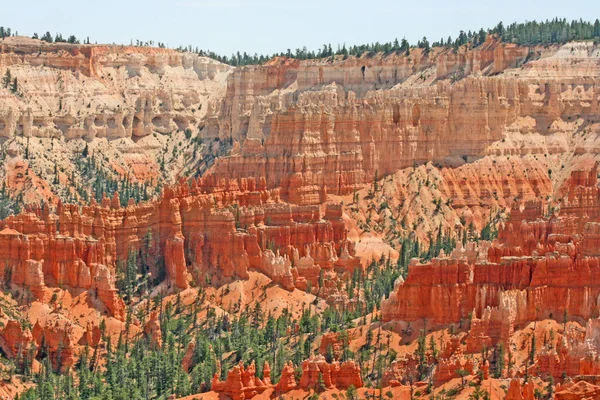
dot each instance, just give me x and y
(242, 382)
(177, 89)
(334, 342)
(31, 277)
(314, 127)
(287, 381)
(188, 357)
(572, 355)
(518, 391)
(446, 291)
(310, 127)
(15, 340)
(59, 336)
(116, 107)
(336, 374)
(580, 390)
(496, 325)
(104, 284)
(448, 368)
(540, 267)
(153, 332)
(259, 154)
(185, 230)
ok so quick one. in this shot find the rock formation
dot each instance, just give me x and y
(531, 271)
(15, 339)
(287, 381)
(191, 233)
(338, 374)
(194, 83)
(242, 382)
(249, 171)
(362, 133)
(153, 332)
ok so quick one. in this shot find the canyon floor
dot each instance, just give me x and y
(390, 226)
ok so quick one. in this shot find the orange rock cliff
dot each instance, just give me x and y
(286, 185)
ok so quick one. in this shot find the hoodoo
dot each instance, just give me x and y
(380, 221)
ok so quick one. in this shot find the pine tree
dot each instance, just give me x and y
(432, 347)
(499, 367)
(405, 47)
(532, 351)
(56, 178)
(47, 37)
(424, 44)
(463, 373)
(550, 388)
(369, 339)
(421, 356)
(7, 275)
(320, 386)
(7, 79)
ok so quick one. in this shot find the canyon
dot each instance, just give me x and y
(149, 188)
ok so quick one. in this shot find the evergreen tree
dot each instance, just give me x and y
(7, 275)
(499, 356)
(47, 37)
(532, 350)
(7, 79)
(421, 356)
(405, 47)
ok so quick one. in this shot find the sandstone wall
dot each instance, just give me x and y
(92, 91)
(316, 126)
(187, 234)
(539, 267)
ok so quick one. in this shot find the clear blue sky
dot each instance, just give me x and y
(267, 26)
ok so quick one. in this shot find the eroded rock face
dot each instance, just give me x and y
(119, 107)
(60, 336)
(580, 390)
(541, 267)
(291, 136)
(518, 391)
(153, 332)
(311, 128)
(288, 379)
(147, 105)
(242, 382)
(186, 234)
(314, 127)
(448, 368)
(537, 268)
(339, 374)
(104, 283)
(15, 339)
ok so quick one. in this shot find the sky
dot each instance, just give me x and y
(268, 26)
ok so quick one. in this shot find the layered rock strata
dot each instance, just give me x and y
(537, 269)
(186, 234)
(317, 127)
(242, 382)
